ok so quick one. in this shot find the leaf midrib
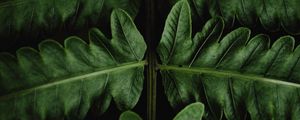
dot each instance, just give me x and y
(73, 79)
(228, 73)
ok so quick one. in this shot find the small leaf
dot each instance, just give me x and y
(193, 111)
(129, 115)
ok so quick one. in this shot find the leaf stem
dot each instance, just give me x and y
(150, 36)
(74, 78)
(243, 76)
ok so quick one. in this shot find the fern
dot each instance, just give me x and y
(61, 83)
(274, 15)
(235, 74)
(19, 16)
(192, 111)
(237, 77)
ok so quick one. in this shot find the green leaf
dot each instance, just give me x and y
(193, 111)
(273, 15)
(235, 76)
(18, 16)
(197, 6)
(130, 6)
(175, 34)
(129, 115)
(62, 82)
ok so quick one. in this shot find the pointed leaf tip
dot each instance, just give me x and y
(126, 39)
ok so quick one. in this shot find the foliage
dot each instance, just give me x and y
(49, 15)
(27, 22)
(272, 15)
(62, 83)
(192, 111)
(129, 115)
(235, 76)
